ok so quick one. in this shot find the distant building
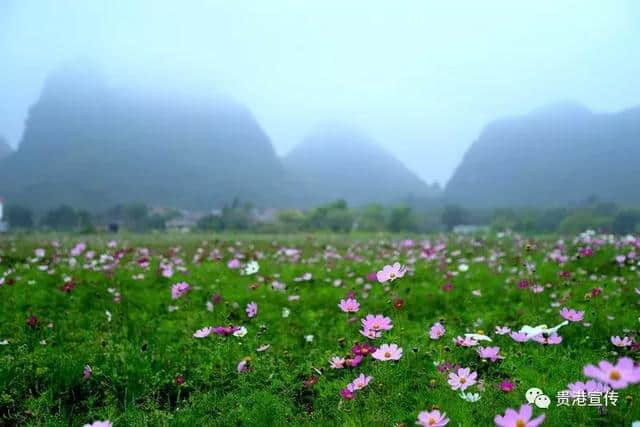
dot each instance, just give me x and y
(3, 225)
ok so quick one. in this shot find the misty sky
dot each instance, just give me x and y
(422, 77)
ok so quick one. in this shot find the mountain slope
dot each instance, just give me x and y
(555, 155)
(340, 162)
(92, 146)
(5, 149)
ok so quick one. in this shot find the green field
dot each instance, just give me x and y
(109, 306)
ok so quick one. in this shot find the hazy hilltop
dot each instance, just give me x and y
(339, 162)
(89, 145)
(5, 149)
(558, 154)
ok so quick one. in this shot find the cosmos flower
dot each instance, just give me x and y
(521, 418)
(618, 376)
(243, 365)
(552, 339)
(571, 314)
(203, 333)
(179, 289)
(388, 352)
(337, 362)
(87, 372)
(349, 305)
(359, 383)
(621, 342)
(240, 332)
(462, 379)
(491, 353)
(591, 386)
(432, 419)
(376, 323)
(470, 397)
(105, 423)
(502, 330)
(506, 386)
(252, 267)
(390, 272)
(465, 342)
(347, 394)
(436, 331)
(252, 309)
(234, 264)
(362, 349)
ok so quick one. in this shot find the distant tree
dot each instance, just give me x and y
(372, 218)
(210, 223)
(334, 216)
(626, 221)
(62, 218)
(401, 218)
(453, 215)
(290, 220)
(19, 216)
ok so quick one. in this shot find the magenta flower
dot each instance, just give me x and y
(243, 365)
(491, 353)
(436, 331)
(621, 342)
(390, 272)
(432, 419)
(388, 352)
(224, 330)
(354, 361)
(462, 379)
(179, 289)
(363, 349)
(521, 418)
(506, 386)
(625, 372)
(234, 264)
(349, 305)
(359, 383)
(203, 333)
(347, 394)
(571, 314)
(252, 309)
(503, 330)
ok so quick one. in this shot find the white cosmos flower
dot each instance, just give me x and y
(285, 312)
(463, 267)
(542, 329)
(240, 332)
(108, 314)
(4, 342)
(308, 338)
(209, 306)
(470, 397)
(478, 337)
(252, 267)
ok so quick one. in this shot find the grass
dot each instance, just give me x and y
(137, 356)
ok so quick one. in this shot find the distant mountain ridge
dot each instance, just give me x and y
(92, 146)
(340, 162)
(557, 154)
(5, 149)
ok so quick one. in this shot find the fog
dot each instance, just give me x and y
(421, 77)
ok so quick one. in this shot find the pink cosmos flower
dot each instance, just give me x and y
(491, 353)
(349, 305)
(465, 342)
(376, 323)
(521, 418)
(462, 379)
(234, 264)
(502, 330)
(624, 372)
(432, 419)
(370, 333)
(620, 259)
(621, 342)
(437, 331)
(243, 366)
(252, 309)
(166, 271)
(203, 333)
(359, 383)
(591, 386)
(179, 289)
(105, 423)
(552, 339)
(571, 314)
(40, 253)
(87, 372)
(390, 272)
(388, 352)
(519, 336)
(337, 362)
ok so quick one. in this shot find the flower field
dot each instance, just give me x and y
(195, 329)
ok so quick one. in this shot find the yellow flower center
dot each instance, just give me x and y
(387, 355)
(614, 375)
(463, 380)
(521, 423)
